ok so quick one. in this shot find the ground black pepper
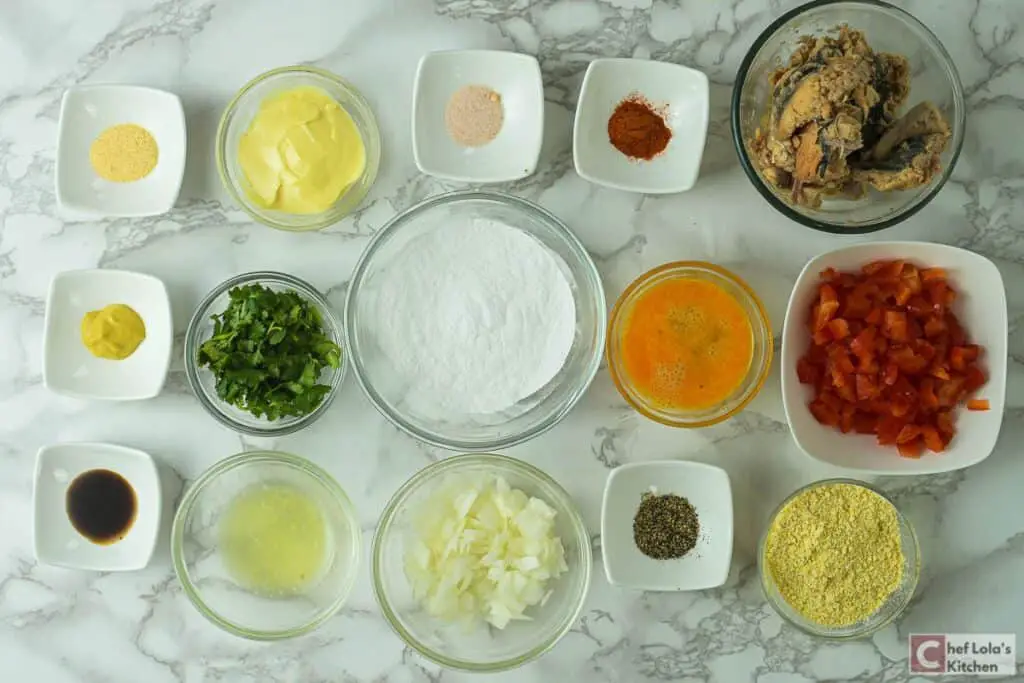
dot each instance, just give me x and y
(665, 527)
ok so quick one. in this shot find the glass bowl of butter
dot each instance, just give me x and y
(266, 545)
(298, 148)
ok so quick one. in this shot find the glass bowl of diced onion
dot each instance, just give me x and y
(440, 599)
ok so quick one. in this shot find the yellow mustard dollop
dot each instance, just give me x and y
(301, 152)
(114, 332)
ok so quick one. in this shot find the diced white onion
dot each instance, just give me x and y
(483, 549)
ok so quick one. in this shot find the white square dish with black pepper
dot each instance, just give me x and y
(667, 526)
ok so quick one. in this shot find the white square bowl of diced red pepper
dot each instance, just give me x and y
(894, 358)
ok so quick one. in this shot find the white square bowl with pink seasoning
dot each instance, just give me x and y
(981, 309)
(514, 152)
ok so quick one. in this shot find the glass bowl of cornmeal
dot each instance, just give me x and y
(839, 560)
(266, 545)
(298, 148)
(689, 344)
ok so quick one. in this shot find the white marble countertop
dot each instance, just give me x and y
(60, 626)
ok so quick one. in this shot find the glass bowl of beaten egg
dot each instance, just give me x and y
(298, 148)
(689, 344)
(893, 605)
(266, 545)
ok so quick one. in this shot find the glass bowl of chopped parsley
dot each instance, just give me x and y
(263, 354)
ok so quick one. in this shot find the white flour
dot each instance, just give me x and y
(476, 316)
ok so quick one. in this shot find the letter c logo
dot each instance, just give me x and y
(925, 661)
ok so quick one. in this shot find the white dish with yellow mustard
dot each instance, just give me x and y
(108, 335)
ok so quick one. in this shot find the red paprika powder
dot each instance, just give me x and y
(637, 130)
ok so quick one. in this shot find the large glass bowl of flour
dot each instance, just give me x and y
(475, 320)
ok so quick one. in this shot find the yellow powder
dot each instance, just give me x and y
(124, 153)
(834, 553)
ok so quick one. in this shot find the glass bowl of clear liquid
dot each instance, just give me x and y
(266, 545)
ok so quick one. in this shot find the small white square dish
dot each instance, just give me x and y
(88, 110)
(514, 152)
(679, 92)
(69, 368)
(706, 487)
(95, 506)
(981, 308)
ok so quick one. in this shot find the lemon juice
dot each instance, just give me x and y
(273, 538)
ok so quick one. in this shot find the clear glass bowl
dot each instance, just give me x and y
(483, 648)
(890, 609)
(239, 114)
(887, 29)
(200, 328)
(200, 567)
(760, 328)
(531, 416)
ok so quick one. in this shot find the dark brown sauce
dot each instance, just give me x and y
(101, 506)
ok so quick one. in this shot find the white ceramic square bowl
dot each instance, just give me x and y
(682, 91)
(85, 112)
(981, 308)
(708, 490)
(70, 369)
(57, 542)
(513, 154)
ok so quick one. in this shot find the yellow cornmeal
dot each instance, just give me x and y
(834, 553)
(113, 332)
(300, 152)
(124, 153)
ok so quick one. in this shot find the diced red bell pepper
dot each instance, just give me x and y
(894, 326)
(961, 356)
(839, 328)
(932, 440)
(911, 449)
(908, 433)
(867, 387)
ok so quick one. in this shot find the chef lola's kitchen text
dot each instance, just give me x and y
(981, 654)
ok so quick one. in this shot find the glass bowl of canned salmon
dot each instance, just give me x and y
(848, 116)
(475, 320)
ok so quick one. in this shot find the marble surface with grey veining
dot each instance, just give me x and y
(62, 626)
